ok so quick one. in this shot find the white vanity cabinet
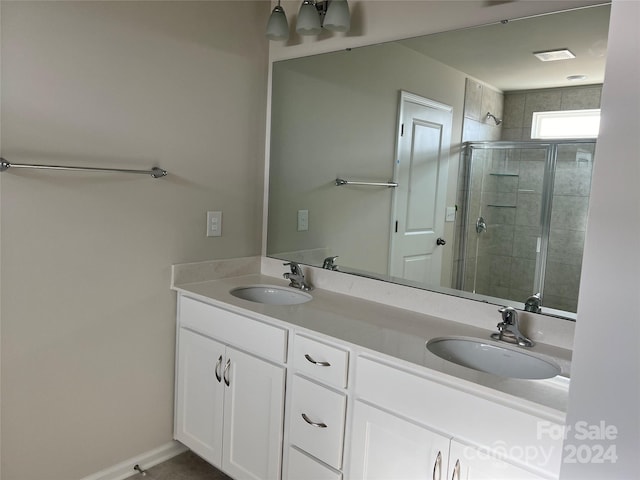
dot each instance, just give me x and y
(386, 446)
(229, 400)
(412, 427)
(347, 413)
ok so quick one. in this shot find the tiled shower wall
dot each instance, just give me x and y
(506, 189)
(519, 106)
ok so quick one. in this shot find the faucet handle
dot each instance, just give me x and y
(509, 315)
(295, 268)
(330, 263)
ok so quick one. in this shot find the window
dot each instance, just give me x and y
(565, 124)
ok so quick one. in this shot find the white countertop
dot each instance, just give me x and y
(394, 332)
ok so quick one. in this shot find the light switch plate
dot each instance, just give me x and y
(450, 215)
(214, 224)
(303, 220)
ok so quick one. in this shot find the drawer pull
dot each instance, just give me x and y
(320, 364)
(456, 471)
(437, 466)
(226, 372)
(218, 365)
(312, 423)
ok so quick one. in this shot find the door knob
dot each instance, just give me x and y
(441, 241)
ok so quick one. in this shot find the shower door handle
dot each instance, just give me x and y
(441, 241)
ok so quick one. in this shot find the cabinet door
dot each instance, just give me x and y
(199, 395)
(253, 405)
(469, 463)
(386, 447)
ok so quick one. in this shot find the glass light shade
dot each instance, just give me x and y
(337, 18)
(277, 26)
(308, 22)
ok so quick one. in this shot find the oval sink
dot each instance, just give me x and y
(487, 357)
(271, 294)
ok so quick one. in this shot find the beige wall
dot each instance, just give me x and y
(87, 315)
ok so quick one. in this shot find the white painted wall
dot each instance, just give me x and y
(88, 320)
(605, 383)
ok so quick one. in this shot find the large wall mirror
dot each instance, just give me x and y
(446, 190)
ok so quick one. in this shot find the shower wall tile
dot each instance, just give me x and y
(500, 270)
(492, 101)
(581, 98)
(569, 212)
(525, 242)
(566, 246)
(472, 99)
(513, 110)
(521, 294)
(541, 101)
(573, 172)
(499, 216)
(528, 211)
(512, 134)
(560, 303)
(523, 274)
(531, 176)
(497, 240)
(500, 183)
(562, 280)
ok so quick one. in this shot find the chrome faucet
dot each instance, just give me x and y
(509, 329)
(330, 263)
(296, 277)
(533, 303)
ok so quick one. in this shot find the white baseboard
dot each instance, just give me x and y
(146, 460)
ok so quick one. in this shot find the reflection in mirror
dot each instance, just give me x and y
(480, 210)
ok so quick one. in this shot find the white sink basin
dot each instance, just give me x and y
(481, 355)
(271, 294)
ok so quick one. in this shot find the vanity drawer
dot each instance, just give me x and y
(317, 420)
(267, 341)
(301, 466)
(327, 363)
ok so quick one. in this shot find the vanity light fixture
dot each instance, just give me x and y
(554, 55)
(313, 16)
(277, 26)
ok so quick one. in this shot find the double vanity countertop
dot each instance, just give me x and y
(397, 333)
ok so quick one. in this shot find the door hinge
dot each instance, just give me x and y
(402, 130)
(396, 226)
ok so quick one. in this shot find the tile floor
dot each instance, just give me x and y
(186, 466)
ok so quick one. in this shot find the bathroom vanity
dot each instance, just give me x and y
(339, 387)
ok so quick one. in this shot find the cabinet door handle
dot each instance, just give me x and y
(226, 372)
(437, 466)
(312, 423)
(456, 471)
(320, 364)
(218, 365)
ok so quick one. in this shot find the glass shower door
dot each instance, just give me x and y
(511, 206)
(568, 221)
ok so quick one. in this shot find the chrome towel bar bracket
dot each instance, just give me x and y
(341, 181)
(155, 172)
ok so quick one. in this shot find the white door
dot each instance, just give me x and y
(200, 395)
(469, 463)
(386, 447)
(421, 171)
(254, 409)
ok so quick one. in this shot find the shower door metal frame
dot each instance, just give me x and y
(547, 197)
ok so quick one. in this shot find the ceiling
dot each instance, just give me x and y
(502, 54)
